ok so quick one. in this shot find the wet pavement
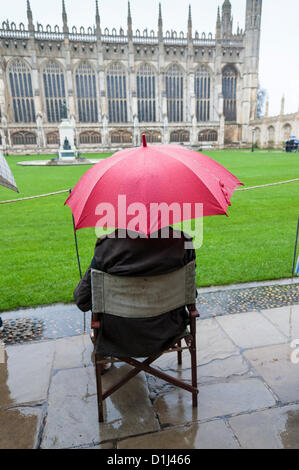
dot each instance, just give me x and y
(248, 377)
(62, 320)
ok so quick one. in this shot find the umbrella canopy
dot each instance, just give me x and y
(145, 177)
(6, 176)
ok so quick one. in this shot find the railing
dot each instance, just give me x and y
(14, 34)
(49, 36)
(107, 37)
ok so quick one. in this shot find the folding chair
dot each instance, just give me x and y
(145, 297)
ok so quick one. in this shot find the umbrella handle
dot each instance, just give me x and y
(76, 243)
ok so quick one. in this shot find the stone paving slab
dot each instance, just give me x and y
(75, 351)
(275, 366)
(19, 428)
(251, 330)
(216, 400)
(72, 418)
(286, 319)
(48, 393)
(25, 376)
(212, 435)
(277, 428)
(212, 344)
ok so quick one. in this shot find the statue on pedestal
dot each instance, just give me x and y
(66, 144)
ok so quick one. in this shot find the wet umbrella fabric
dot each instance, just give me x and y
(6, 176)
(152, 175)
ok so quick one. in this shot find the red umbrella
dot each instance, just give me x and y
(144, 177)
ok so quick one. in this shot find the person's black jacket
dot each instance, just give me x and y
(137, 257)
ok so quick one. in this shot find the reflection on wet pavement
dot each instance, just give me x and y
(248, 387)
(49, 322)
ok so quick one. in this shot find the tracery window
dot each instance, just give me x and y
(86, 93)
(54, 89)
(287, 131)
(90, 137)
(202, 85)
(180, 136)
(175, 94)
(121, 137)
(21, 91)
(146, 94)
(117, 93)
(53, 138)
(153, 137)
(208, 135)
(229, 91)
(271, 134)
(23, 138)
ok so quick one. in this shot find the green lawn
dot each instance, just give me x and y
(38, 262)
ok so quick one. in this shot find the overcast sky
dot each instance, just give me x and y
(279, 59)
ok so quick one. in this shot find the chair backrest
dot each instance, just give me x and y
(143, 297)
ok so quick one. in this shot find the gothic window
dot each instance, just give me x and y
(86, 93)
(271, 134)
(117, 93)
(121, 137)
(257, 135)
(180, 136)
(175, 93)
(208, 135)
(90, 137)
(153, 137)
(22, 92)
(23, 138)
(202, 93)
(229, 91)
(53, 138)
(54, 89)
(287, 131)
(146, 94)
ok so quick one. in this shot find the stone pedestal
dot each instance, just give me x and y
(67, 148)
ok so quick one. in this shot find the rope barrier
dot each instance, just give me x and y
(67, 191)
(267, 185)
(35, 197)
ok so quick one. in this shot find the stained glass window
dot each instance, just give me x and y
(175, 94)
(54, 89)
(202, 93)
(229, 91)
(146, 94)
(21, 91)
(117, 93)
(86, 93)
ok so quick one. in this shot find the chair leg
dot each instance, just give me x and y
(99, 369)
(193, 361)
(179, 353)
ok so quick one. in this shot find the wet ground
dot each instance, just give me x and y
(248, 392)
(60, 320)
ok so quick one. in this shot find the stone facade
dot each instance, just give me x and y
(272, 132)
(198, 90)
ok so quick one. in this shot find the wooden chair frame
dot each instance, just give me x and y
(190, 340)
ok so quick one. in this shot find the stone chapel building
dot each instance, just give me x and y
(177, 87)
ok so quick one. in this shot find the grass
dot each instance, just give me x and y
(38, 262)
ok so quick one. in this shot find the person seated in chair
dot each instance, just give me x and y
(125, 255)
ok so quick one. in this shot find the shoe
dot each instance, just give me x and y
(1, 325)
(106, 367)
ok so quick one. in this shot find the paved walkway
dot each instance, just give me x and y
(248, 392)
